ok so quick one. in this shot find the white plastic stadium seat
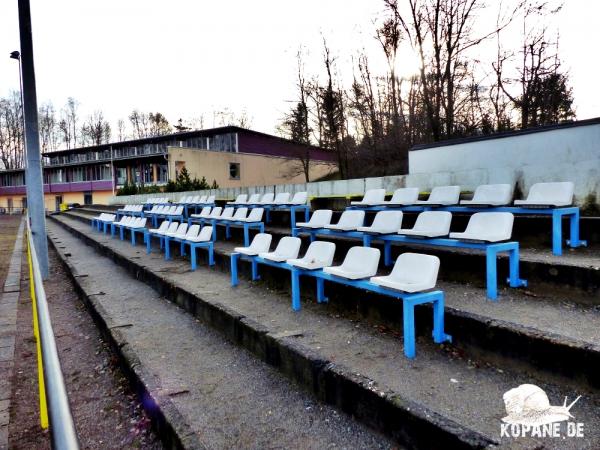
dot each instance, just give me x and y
(490, 195)
(227, 213)
(192, 232)
(254, 199)
(205, 235)
(372, 197)
(300, 198)
(211, 199)
(385, 222)
(255, 215)
(164, 226)
(350, 220)
(442, 195)
(430, 224)
(549, 194)
(140, 222)
(205, 212)
(488, 227)
(260, 244)
(180, 232)
(360, 262)
(239, 199)
(287, 248)
(402, 196)
(267, 199)
(412, 272)
(282, 198)
(319, 255)
(195, 199)
(319, 219)
(202, 199)
(215, 213)
(240, 214)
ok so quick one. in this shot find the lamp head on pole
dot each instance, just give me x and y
(15, 55)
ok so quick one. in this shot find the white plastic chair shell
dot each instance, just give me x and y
(319, 255)
(385, 222)
(488, 227)
(260, 244)
(287, 248)
(360, 262)
(412, 272)
(430, 224)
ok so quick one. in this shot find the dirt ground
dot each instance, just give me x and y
(8, 231)
(107, 414)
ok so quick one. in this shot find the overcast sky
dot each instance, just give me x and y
(185, 58)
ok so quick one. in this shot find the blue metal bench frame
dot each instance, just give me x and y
(129, 213)
(165, 242)
(409, 301)
(282, 207)
(168, 217)
(260, 226)
(196, 206)
(570, 212)
(148, 241)
(491, 251)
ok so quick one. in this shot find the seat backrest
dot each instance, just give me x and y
(110, 217)
(210, 199)
(141, 222)
(126, 219)
(493, 193)
(416, 268)
(300, 198)
(288, 247)
(254, 198)
(282, 197)
(192, 231)
(227, 212)
(437, 222)
(102, 216)
(172, 226)
(164, 226)
(182, 229)
(256, 215)
(216, 212)
(202, 199)
(205, 211)
(374, 195)
(159, 209)
(206, 233)
(267, 198)
(240, 213)
(352, 218)
(559, 192)
(320, 251)
(241, 198)
(497, 224)
(321, 217)
(183, 199)
(361, 259)
(261, 242)
(445, 194)
(178, 210)
(405, 195)
(390, 221)
(195, 199)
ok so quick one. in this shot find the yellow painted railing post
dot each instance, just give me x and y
(36, 334)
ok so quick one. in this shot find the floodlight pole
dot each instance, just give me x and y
(33, 169)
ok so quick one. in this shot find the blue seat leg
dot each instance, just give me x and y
(133, 237)
(367, 238)
(234, 273)
(167, 248)
(409, 329)
(387, 253)
(321, 291)
(182, 248)
(255, 274)
(556, 233)
(574, 240)
(148, 244)
(439, 335)
(295, 290)
(513, 263)
(193, 256)
(121, 231)
(227, 231)
(491, 274)
(294, 232)
(246, 235)
(211, 254)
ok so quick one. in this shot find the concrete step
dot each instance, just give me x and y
(203, 391)
(442, 388)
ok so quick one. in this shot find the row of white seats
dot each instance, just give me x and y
(197, 200)
(190, 233)
(283, 198)
(412, 272)
(483, 226)
(165, 210)
(230, 213)
(131, 222)
(132, 208)
(153, 200)
(540, 194)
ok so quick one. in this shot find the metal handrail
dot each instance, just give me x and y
(62, 428)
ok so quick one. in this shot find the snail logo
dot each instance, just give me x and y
(529, 413)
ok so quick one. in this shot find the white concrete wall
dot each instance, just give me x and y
(567, 154)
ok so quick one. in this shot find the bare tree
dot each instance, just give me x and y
(67, 125)
(121, 130)
(95, 130)
(48, 127)
(11, 132)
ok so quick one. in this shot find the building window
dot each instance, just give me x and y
(87, 198)
(234, 171)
